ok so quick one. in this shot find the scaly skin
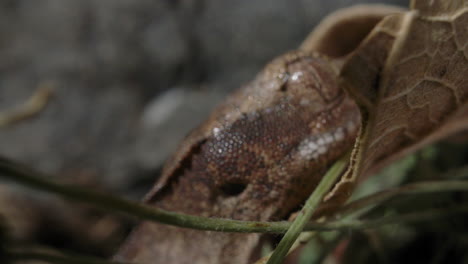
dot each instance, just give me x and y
(258, 157)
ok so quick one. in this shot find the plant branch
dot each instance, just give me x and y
(420, 216)
(33, 106)
(32, 178)
(307, 211)
(366, 203)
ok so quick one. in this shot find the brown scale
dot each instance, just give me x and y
(257, 157)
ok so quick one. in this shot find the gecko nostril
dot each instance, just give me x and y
(232, 188)
(283, 88)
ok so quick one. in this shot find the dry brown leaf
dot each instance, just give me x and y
(341, 32)
(410, 78)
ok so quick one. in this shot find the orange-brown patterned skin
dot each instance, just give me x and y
(257, 157)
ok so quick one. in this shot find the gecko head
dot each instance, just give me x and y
(297, 78)
(263, 151)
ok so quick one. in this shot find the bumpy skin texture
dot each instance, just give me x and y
(258, 157)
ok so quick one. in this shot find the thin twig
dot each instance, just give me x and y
(32, 178)
(34, 105)
(306, 212)
(366, 203)
(56, 258)
(420, 216)
(23, 175)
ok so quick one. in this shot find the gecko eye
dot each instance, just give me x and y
(233, 188)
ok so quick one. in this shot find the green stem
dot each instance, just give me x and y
(306, 212)
(31, 178)
(421, 216)
(366, 203)
(15, 255)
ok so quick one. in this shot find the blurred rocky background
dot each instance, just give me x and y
(130, 78)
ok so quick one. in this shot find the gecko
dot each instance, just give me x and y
(257, 157)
